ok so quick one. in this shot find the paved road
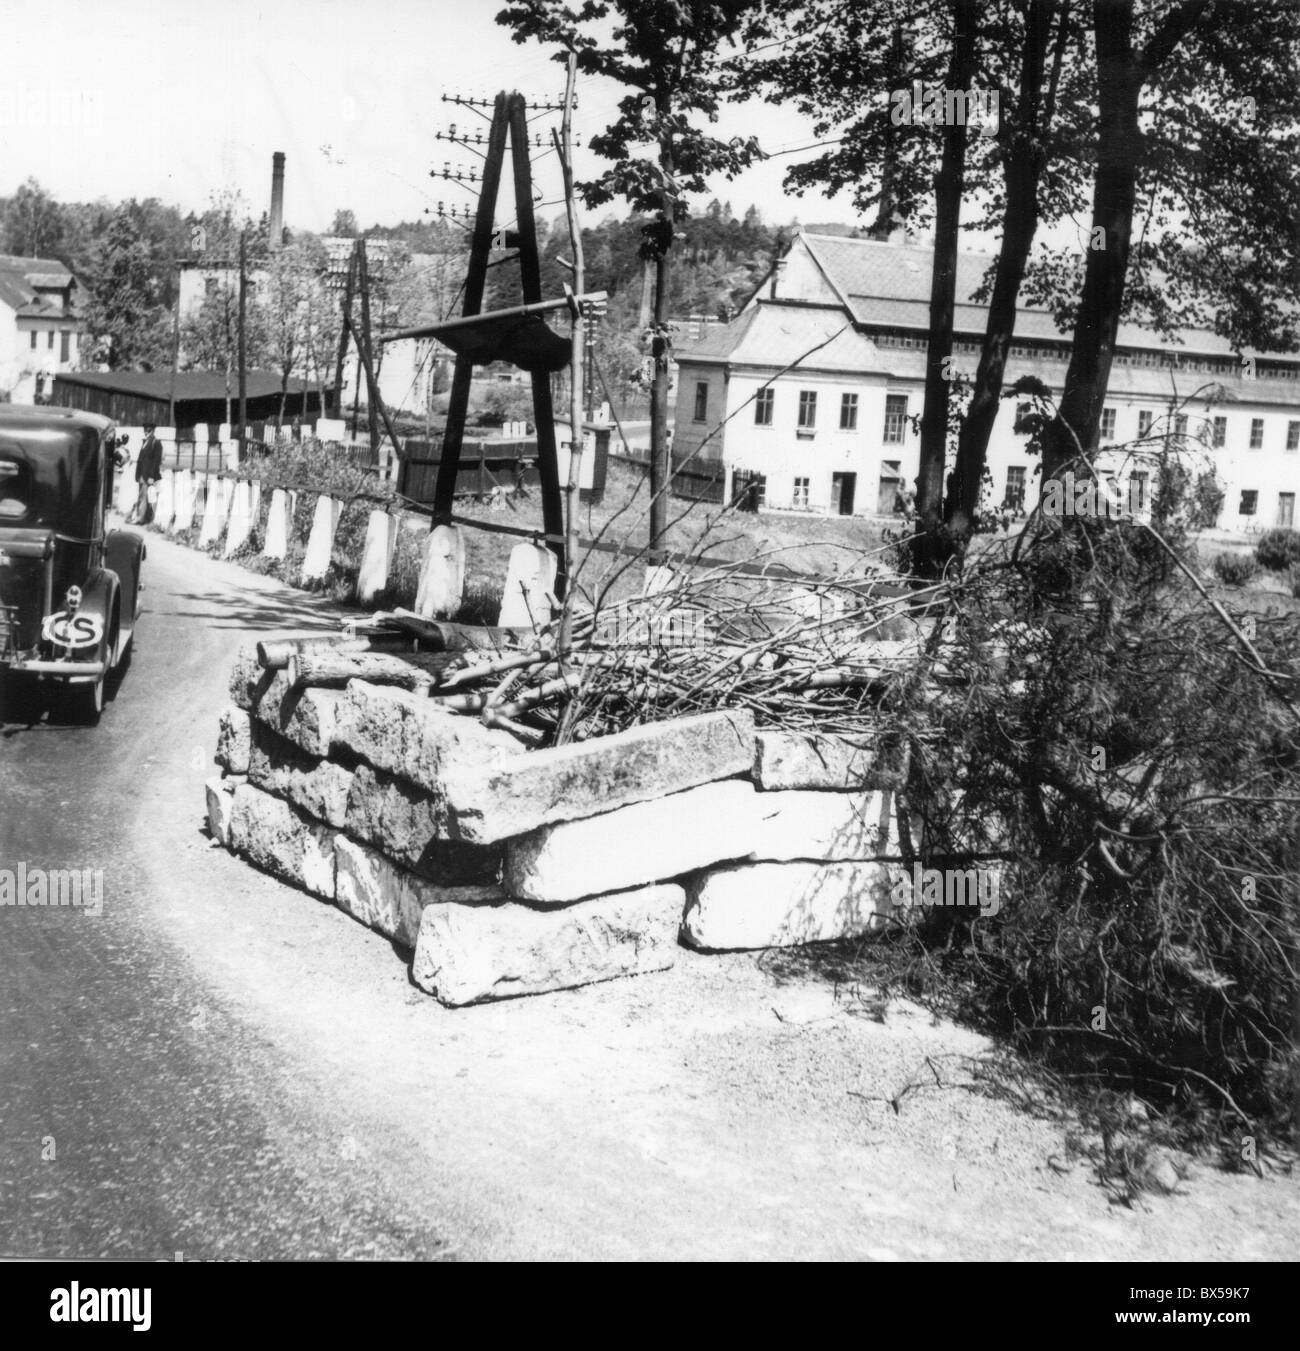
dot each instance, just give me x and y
(139, 1114)
(222, 1066)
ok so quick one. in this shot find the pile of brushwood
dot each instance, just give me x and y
(1131, 750)
(729, 635)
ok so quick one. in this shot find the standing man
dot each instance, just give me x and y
(148, 474)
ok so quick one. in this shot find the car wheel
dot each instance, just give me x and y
(87, 701)
(20, 699)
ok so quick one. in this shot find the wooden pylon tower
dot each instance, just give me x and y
(358, 285)
(509, 120)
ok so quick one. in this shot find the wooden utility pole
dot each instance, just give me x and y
(344, 330)
(243, 352)
(564, 148)
(176, 355)
(530, 272)
(374, 401)
(660, 456)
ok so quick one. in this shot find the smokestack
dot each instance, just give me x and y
(277, 199)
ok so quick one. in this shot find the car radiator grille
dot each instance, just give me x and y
(22, 596)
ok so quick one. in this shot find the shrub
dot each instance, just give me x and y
(1293, 579)
(1148, 912)
(1278, 549)
(1234, 569)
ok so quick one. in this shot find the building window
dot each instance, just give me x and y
(1256, 433)
(1249, 501)
(49, 338)
(701, 400)
(65, 344)
(763, 406)
(1293, 435)
(1180, 424)
(33, 338)
(1015, 496)
(895, 418)
(848, 412)
(1286, 510)
(807, 409)
(1107, 424)
(800, 498)
(1220, 438)
(1137, 491)
(1144, 422)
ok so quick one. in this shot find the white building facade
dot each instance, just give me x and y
(812, 395)
(41, 326)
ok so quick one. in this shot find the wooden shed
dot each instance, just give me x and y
(134, 398)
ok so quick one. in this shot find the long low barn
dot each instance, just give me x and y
(135, 398)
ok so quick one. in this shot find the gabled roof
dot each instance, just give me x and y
(888, 286)
(25, 283)
(772, 334)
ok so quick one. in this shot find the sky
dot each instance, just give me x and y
(182, 99)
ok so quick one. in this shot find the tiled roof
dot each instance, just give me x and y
(889, 285)
(20, 278)
(189, 384)
(773, 334)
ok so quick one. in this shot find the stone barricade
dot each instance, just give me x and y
(505, 870)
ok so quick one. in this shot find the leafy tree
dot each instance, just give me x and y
(344, 224)
(290, 305)
(1196, 137)
(901, 169)
(33, 222)
(127, 315)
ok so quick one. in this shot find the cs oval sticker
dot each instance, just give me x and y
(75, 631)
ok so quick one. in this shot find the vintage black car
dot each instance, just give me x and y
(69, 588)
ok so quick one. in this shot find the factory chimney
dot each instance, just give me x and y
(277, 200)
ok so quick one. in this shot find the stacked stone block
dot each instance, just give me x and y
(509, 871)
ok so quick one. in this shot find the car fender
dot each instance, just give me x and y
(124, 553)
(101, 596)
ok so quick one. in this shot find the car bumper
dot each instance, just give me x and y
(75, 672)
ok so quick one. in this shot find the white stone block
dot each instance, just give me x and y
(215, 511)
(777, 905)
(183, 500)
(647, 842)
(407, 735)
(824, 826)
(530, 580)
(469, 953)
(234, 739)
(376, 556)
(442, 573)
(221, 803)
(320, 543)
(279, 523)
(586, 778)
(282, 840)
(166, 508)
(389, 899)
(794, 760)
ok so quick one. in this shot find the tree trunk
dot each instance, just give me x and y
(931, 551)
(660, 458)
(1024, 166)
(1119, 146)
